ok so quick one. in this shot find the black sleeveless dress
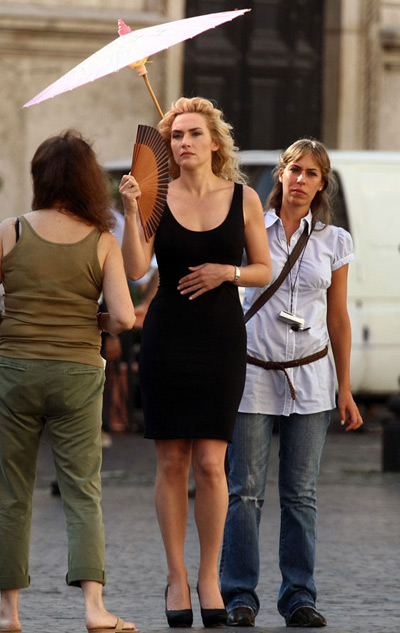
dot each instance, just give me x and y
(193, 353)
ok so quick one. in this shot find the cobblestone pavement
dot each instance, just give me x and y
(357, 569)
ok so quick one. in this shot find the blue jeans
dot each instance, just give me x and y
(302, 439)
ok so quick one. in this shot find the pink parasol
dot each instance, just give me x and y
(133, 48)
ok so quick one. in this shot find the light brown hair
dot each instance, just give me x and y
(321, 203)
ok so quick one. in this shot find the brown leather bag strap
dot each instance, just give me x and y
(267, 294)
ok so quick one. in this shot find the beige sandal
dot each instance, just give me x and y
(118, 628)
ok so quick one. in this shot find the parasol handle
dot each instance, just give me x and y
(153, 96)
(141, 70)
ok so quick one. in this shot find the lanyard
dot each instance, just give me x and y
(293, 285)
(267, 294)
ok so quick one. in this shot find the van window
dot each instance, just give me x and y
(260, 178)
(339, 212)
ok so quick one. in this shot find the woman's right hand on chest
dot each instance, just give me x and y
(130, 193)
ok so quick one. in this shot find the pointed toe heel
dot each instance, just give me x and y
(178, 618)
(212, 617)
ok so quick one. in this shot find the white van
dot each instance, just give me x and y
(368, 206)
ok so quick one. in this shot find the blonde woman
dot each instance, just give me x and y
(193, 353)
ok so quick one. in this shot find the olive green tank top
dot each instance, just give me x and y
(51, 294)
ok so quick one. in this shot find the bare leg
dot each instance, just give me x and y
(9, 609)
(171, 498)
(211, 506)
(96, 615)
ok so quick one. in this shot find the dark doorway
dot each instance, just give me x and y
(263, 69)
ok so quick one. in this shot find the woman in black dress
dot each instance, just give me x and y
(193, 352)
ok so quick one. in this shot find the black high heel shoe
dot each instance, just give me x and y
(212, 617)
(178, 618)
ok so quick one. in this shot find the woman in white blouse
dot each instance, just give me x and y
(306, 312)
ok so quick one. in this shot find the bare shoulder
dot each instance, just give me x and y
(108, 242)
(7, 228)
(252, 206)
(250, 195)
(8, 222)
(108, 249)
(108, 238)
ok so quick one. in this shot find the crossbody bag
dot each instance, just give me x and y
(262, 300)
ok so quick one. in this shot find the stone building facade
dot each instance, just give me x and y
(41, 40)
(362, 74)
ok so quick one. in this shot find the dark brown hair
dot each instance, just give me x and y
(321, 203)
(66, 175)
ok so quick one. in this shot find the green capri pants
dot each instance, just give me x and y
(67, 398)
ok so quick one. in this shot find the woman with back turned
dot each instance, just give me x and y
(55, 262)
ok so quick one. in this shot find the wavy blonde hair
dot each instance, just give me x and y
(225, 160)
(321, 204)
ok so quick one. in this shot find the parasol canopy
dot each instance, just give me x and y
(132, 47)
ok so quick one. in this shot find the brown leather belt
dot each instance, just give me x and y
(287, 365)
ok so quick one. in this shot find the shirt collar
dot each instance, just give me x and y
(271, 217)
